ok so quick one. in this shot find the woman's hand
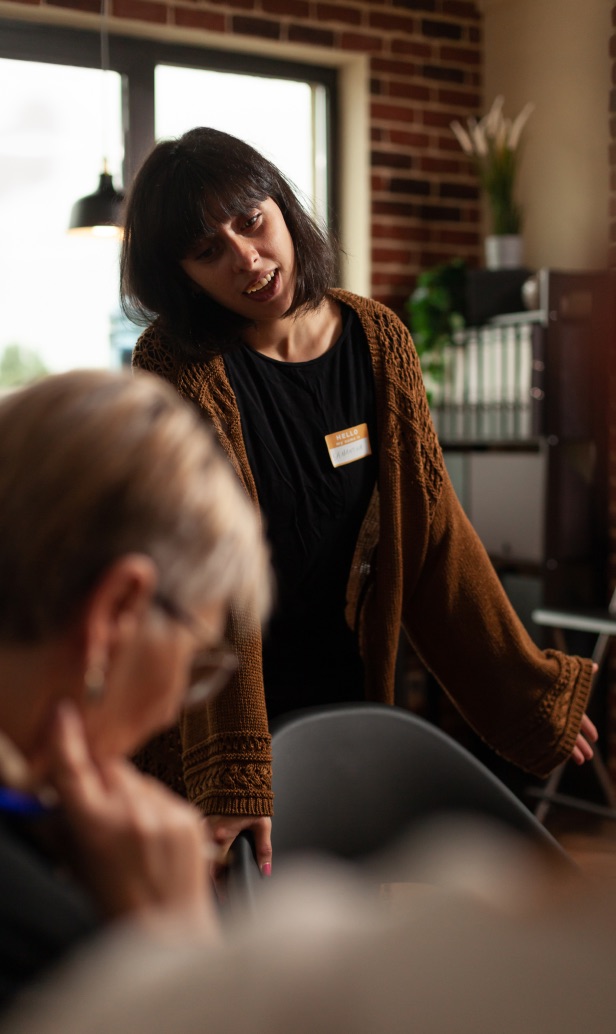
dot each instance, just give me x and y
(225, 828)
(140, 849)
(587, 735)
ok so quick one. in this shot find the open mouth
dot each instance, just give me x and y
(264, 286)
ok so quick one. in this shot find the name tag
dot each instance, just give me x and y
(349, 445)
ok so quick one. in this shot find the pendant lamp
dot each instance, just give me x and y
(100, 214)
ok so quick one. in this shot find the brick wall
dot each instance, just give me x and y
(425, 65)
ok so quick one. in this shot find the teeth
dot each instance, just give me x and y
(263, 282)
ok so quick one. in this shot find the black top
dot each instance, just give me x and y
(43, 914)
(298, 420)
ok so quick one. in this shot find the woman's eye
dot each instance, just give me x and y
(252, 221)
(207, 253)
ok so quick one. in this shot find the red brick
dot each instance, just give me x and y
(409, 185)
(397, 208)
(140, 10)
(337, 13)
(402, 136)
(198, 19)
(244, 5)
(246, 26)
(356, 41)
(308, 34)
(460, 9)
(459, 98)
(414, 49)
(440, 29)
(390, 160)
(449, 143)
(402, 279)
(442, 73)
(440, 213)
(295, 8)
(460, 237)
(391, 22)
(391, 113)
(388, 255)
(91, 6)
(384, 64)
(444, 165)
(395, 231)
(460, 55)
(436, 118)
(410, 91)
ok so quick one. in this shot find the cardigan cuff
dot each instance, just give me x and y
(231, 774)
(552, 736)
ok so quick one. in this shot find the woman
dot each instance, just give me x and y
(316, 396)
(123, 540)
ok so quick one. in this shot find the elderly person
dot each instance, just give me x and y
(124, 540)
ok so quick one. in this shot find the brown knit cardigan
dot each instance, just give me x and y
(418, 563)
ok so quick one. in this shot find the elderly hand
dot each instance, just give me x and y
(140, 849)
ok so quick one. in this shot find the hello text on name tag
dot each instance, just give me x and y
(349, 445)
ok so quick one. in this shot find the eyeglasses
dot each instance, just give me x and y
(211, 668)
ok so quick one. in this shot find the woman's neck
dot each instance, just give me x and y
(299, 338)
(32, 679)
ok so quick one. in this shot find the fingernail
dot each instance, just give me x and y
(266, 869)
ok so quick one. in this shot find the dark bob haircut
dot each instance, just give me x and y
(184, 189)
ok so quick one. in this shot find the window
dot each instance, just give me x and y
(60, 116)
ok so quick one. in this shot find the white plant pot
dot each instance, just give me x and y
(504, 251)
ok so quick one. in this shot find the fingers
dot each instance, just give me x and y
(589, 730)
(225, 828)
(74, 775)
(262, 832)
(582, 751)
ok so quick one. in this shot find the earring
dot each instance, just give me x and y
(94, 681)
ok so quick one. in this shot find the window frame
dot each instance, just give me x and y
(135, 59)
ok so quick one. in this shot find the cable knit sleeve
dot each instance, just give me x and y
(429, 571)
(219, 756)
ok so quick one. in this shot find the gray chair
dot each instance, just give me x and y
(353, 780)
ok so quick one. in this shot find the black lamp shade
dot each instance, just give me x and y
(103, 208)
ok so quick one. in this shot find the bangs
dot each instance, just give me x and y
(201, 199)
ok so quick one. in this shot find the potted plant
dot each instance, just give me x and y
(493, 144)
(435, 315)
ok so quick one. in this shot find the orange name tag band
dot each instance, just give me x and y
(349, 445)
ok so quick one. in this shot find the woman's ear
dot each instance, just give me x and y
(114, 612)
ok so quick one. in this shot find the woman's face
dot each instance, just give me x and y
(248, 265)
(148, 680)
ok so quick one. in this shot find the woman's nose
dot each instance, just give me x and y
(244, 253)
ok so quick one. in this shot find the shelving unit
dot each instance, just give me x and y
(522, 419)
